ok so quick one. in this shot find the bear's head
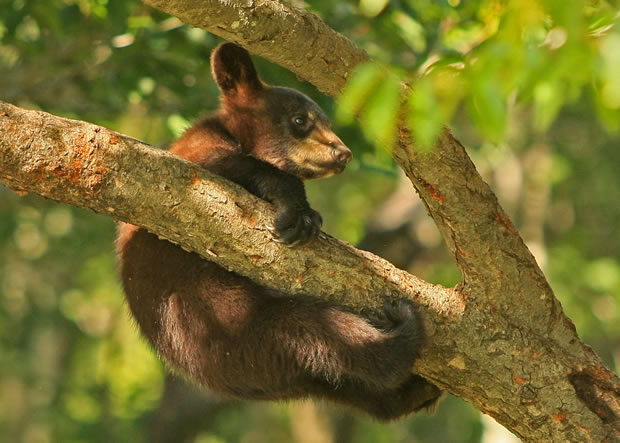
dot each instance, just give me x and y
(278, 125)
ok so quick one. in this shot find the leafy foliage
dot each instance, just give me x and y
(545, 53)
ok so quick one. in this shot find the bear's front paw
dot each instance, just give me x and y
(294, 227)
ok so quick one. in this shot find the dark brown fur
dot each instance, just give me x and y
(243, 340)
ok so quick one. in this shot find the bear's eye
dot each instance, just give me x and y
(299, 120)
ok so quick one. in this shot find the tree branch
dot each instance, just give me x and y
(500, 340)
(90, 166)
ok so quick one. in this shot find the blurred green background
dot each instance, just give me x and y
(532, 88)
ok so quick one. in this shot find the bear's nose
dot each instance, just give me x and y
(342, 154)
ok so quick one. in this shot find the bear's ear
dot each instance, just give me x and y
(234, 72)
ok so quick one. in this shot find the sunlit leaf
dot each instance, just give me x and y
(450, 86)
(424, 119)
(488, 107)
(603, 274)
(372, 8)
(447, 59)
(601, 22)
(410, 30)
(610, 75)
(363, 80)
(380, 114)
(609, 117)
(177, 124)
(548, 97)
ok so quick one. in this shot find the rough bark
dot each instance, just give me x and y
(500, 340)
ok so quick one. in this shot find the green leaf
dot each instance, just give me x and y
(363, 80)
(380, 114)
(488, 107)
(372, 8)
(410, 30)
(609, 117)
(610, 75)
(548, 98)
(177, 124)
(447, 60)
(425, 117)
(603, 274)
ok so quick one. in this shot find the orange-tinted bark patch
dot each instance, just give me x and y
(433, 191)
(519, 380)
(559, 417)
(503, 220)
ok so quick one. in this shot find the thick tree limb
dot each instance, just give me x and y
(500, 340)
(89, 166)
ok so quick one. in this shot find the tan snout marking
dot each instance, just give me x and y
(316, 152)
(325, 136)
(313, 155)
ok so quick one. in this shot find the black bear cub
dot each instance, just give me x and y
(240, 339)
